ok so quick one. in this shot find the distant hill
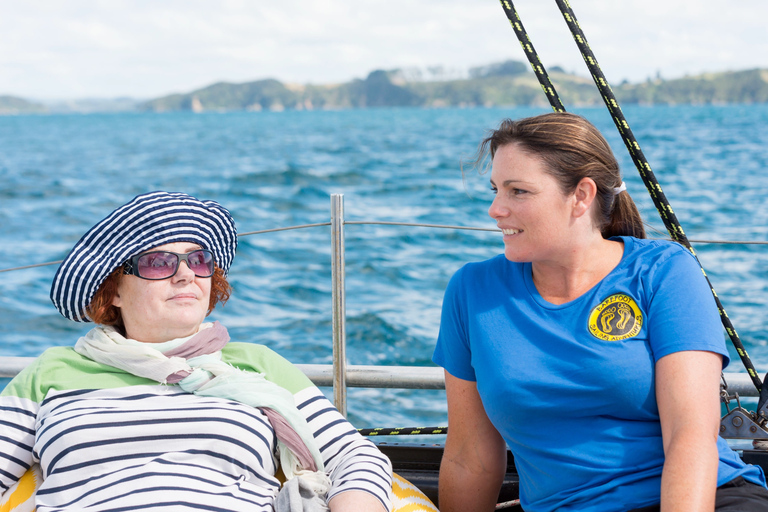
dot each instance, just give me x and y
(10, 105)
(509, 83)
(750, 86)
(14, 105)
(92, 105)
(504, 84)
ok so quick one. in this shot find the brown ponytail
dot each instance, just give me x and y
(624, 219)
(572, 149)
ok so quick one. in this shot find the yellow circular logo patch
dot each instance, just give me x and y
(616, 318)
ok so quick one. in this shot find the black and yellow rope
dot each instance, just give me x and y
(665, 210)
(408, 431)
(533, 57)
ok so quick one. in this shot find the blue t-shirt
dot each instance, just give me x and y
(570, 387)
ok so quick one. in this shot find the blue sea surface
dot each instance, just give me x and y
(60, 174)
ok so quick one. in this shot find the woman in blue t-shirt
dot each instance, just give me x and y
(593, 353)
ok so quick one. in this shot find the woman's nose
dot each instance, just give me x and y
(184, 272)
(496, 210)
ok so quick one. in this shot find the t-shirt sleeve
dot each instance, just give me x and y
(453, 351)
(682, 314)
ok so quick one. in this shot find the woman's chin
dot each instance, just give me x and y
(516, 256)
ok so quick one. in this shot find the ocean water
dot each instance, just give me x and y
(60, 174)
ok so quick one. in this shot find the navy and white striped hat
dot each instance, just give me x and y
(147, 221)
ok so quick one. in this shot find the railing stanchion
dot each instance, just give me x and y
(339, 304)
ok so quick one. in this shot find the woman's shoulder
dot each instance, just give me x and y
(57, 357)
(62, 369)
(656, 252)
(494, 261)
(26, 383)
(243, 349)
(59, 353)
(255, 357)
(653, 244)
(496, 264)
(662, 264)
(481, 276)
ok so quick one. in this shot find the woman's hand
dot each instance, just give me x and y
(355, 501)
(687, 392)
(475, 457)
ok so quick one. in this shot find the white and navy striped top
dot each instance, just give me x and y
(110, 441)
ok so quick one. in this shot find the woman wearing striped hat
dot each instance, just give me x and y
(154, 408)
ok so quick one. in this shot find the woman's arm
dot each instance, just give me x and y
(358, 471)
(18, 416)
(687, 392)
(361, 476)
(355, 501)
(475, 457)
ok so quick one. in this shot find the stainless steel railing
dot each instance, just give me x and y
(356, 376)
(379, 376)
(339, 300)
(341, 375)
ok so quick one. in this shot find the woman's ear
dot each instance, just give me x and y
(116, 301)
(584, 195)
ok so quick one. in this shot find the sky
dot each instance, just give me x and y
(73, 49)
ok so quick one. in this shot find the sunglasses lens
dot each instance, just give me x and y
(201, 263)
(157, 265)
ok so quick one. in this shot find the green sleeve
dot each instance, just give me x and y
(62, 369)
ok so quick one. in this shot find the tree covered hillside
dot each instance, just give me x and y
(505, 84)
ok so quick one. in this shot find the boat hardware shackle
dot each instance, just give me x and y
(741, 423)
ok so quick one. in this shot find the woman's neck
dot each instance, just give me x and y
(576, 272)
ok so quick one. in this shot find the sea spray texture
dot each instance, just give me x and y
(60, 174)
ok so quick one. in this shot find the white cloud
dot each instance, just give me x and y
(141, 48)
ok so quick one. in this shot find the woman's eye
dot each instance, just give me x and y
(156, 261)
(518, 191)
(494, 190)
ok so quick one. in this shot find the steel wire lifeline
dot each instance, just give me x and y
(641, 163)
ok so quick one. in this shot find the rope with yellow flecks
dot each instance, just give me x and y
(533, 57)
(409, 431)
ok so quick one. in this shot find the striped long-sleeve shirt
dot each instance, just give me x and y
(109, 440)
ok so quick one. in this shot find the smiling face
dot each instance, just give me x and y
(530, 207)
(158, 311)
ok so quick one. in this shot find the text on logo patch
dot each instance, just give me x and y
(616, 318)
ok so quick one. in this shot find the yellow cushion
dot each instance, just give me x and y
(406, 497)
(21, 497)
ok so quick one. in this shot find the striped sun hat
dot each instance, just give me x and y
(147, 221)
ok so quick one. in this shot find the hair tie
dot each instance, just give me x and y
(621, 188)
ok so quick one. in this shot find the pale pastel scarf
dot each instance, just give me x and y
(195, 364)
